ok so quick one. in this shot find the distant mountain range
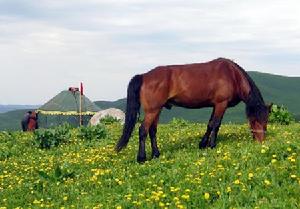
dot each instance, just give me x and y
(6, 108)
(277, 89)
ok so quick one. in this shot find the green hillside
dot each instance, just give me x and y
(277, 89)
(11, 120)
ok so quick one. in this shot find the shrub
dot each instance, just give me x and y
(280, 114)
(107, 120)
(92, 132)
(58, 175)
(179, 122)
(47, 138)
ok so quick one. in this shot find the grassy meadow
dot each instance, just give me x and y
(238, 173)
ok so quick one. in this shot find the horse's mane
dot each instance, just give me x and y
(255, 105)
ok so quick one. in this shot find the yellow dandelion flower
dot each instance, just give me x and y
(273, 161)
(179, 206)
(185, 196)
(119, 207)
(228, 189)
(293, 176)
(36, 202)
(161, 204)
(237, 181)
(65, 198)
(175, 199)
(267, 182)
(250, 175)
(206, 195)
(262, 151)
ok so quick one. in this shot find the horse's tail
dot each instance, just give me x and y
(132, 110)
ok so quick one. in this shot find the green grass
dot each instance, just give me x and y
(239, 173)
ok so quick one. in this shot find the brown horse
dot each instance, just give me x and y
(33, 122)
(30, 121)
(220, 84)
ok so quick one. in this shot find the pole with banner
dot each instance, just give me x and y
(80, 104)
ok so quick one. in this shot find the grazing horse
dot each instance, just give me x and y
(30, 121)
(220, 83)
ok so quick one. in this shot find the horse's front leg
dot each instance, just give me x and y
(216, 121)
(205, 139)
(214, 132)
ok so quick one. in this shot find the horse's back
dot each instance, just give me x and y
(193, 85)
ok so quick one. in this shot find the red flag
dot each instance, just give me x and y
(81, 88)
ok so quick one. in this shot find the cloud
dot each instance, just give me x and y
(104, 43)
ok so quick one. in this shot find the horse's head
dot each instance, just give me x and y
(33, 115)
(259, 124)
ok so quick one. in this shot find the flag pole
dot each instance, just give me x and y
(80, 104)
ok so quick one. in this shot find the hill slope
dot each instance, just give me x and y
(12, 120)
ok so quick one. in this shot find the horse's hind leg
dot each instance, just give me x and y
(143, 132)
(205, 138)
(152, 133)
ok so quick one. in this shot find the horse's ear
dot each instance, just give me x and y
(270, 107)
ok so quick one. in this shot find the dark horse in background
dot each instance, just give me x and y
(30, 121)
(220, 84)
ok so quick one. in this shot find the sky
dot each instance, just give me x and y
(47, 46)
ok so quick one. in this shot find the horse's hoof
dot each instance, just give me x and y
(213, 145)
(155, 155)
(202, 145)
(141, 159)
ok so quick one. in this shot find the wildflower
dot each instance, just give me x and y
(36, 202)
(185, 196)
(179, 206)
(119, 207)
(206, 195)
(267, 182)
(273, 161)
(237, 181)
(293, 176)
(228, 189)
(65, 198)
(250, 175)
(289, 149)
(262, 151)
(161, 204)
(176, 199)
